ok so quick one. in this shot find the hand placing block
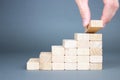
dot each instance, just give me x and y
(95, 44)
(83, 66)
(70, 59)
(83, 59)
(81, 36)
(58, 59)
(95, 52)
(33, 64)
(67, 43)
(57, 66)
(58, 50)
(83, 52)
(94, 26)
(96, 59)
(71, 52)
(95, 66)
(95, 37)
(70, 66)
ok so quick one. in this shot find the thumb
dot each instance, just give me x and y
(84, 11)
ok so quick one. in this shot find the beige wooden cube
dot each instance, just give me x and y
(94, 26)
(95, 37)
(33, 64)
(83, 59)
(96, 59)
(45, 66)
(45, 57)
(71, 52)
(70, 66)
(57, 66)
(95, 51)
(95, 44)
(83, 52)
(68, 43)
(57, 50)
(58, 59)
(83, 66)
(81, 36)
(70, 59)
(83, 44)
(95, 66)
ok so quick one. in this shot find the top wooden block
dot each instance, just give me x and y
(94, 26)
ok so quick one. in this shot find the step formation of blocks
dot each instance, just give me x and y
(84, 52)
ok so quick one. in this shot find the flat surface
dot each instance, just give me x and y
(12, 67)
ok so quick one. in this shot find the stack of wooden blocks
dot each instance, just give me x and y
(84, 52)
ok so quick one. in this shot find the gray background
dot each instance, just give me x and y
(28, 27)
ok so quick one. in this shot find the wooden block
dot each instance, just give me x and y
(83, 52)
(96, 59)
(57, 66)
(45, 66)
(83, 66)
(94, 26)
(71, 52)
(45, 57)
(33, 64)
(81, 36)
(95, 44)
(83, 59)
(70, 59)
(57, 50)
(69, 43)
(95, 37)
(58, 59)
(95, 51)
(83, 44)
(70, 66)
(95, 66)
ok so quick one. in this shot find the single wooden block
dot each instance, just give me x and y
(69, 43)
(58, 59)
(57, 66)
(70, 66)
(83, 66)
(45, 66)
(94, 26)
(83, 44)
(96, 59)
(95, 37)
(70, 59)
(81, 36)
(95, 51)
(83, 52)
(57, 50)
(45, 57)
(71, 52)
(83, 59)
(33, 64)
(95, 66)
(95, 44)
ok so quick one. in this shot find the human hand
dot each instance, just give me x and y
(110, 8)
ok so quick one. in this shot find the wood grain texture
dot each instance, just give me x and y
(33, 64)
(95, 52)
(70, 66)
(57, 50)
(81, 36)
(57, 66)
(83, 52)
(95, 66)
(94, 26)
(95, 37)
(45, 66)
(95, 44)
(68, 43)
(96, 59)
(70, 59)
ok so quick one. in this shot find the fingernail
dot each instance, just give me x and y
(85, 23)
